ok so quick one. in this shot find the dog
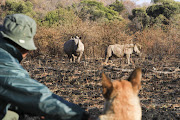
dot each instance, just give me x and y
(121, 97)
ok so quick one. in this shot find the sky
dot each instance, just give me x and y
(146, 1)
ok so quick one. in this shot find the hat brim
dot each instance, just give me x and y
(27, 44)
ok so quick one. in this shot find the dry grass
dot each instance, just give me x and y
(96, 36)
(158, 42)
(81, 83)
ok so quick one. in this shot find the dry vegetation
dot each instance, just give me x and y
(81, 83)
(96, 37)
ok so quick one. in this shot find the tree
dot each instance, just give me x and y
(117, 6)
(160, 1)
(93, 10)
(58, 16)
(18, 6)
(140, 18)
(156, 14)
(168, 9)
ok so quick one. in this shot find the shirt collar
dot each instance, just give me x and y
(10, 49)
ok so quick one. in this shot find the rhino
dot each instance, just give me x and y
(121, 50)
(74, 47)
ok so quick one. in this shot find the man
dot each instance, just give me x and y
(16, 86)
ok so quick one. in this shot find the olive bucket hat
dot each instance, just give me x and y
(20, 29)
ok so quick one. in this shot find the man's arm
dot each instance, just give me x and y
(33, 97)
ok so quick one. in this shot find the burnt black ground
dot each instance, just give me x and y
(80, 83)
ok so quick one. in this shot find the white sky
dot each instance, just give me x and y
(146, 1)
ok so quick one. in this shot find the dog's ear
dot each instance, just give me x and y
(135, 79)
(107, 86)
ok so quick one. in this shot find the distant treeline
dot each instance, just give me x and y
(155, 27)
(163, 12)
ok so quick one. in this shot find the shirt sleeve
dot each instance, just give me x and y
(18, 88)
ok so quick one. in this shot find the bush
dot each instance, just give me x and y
(58, 17)
(161, 19)
(168, 9)
(156, 42)
(117, 6)
(93, 10)
(138, 12)
(157, 14)
(140, 18)
(18, 6)
(160, 1)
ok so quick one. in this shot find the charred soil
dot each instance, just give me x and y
(80, 83)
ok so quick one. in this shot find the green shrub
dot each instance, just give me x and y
(156, 14)
(155, 10)
(58, 17)
(168, 9)
(117, 6)
(138, 12)
(18, 6)
(160, 1)
(161, 19)
(93, 10)
(140, 16)
(97, 14)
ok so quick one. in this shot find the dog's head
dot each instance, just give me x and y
(122, 102)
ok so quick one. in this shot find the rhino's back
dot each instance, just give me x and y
(69, 46)
(117, 50)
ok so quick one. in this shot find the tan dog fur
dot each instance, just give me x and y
(122, 101)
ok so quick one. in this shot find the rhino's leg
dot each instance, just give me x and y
(79, 57)
(128, 58)
(108, 54)
(73, 58)
(70, 58)
(106, 60)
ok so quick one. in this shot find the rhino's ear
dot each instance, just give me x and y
(138, 45)
(77, 37)
(135, 79)
(107, 86)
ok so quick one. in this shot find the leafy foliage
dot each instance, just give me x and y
(160, 1)
(18, 6)
(166, 8)
(139, 16)
(117, 6)
(58, 16)
(157, 14)
(93, 10)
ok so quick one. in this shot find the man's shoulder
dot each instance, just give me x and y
(7, 60)
(5, 56)
(9, 65)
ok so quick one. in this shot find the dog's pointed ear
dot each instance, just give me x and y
(135, 79)
(107, 86)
